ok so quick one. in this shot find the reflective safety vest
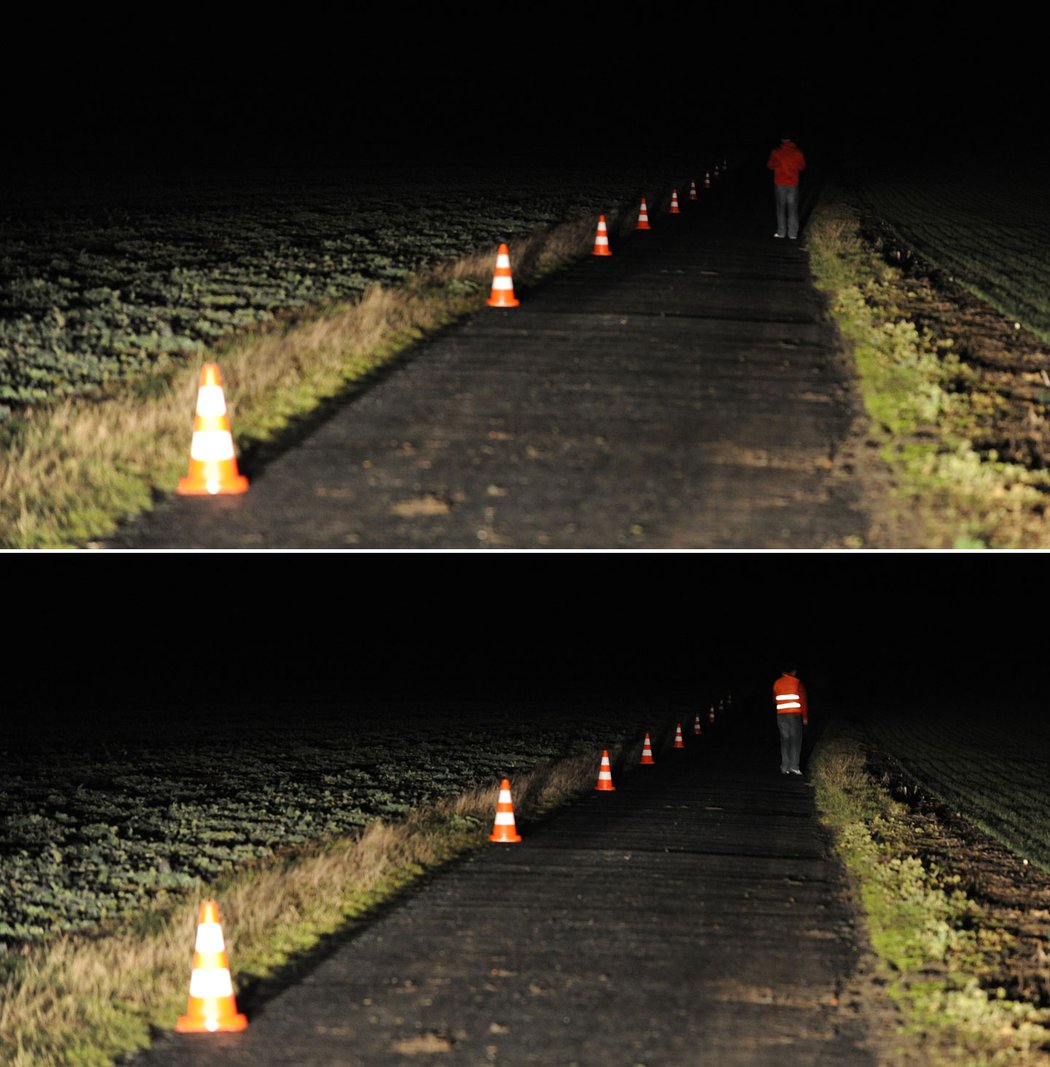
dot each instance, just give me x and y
(790, 696)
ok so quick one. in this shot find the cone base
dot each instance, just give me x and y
(199, 1024)
(198, 485)
(604, 787)
(602, 252)
(648, 761)
(643, 227)
(503, 302)
(508, 839)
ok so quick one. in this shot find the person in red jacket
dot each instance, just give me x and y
(789, 695)
(787, 162)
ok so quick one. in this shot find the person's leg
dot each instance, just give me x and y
(781, 199)
(784, 729)
(792, 211)
(795, 744)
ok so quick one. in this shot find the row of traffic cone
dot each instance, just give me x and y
(212, 1005)
(213, 463)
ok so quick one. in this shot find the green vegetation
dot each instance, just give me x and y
(923, 403)
(936, 947)
(296, 830)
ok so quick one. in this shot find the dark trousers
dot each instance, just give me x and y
(790, 727)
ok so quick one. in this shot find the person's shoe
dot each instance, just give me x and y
(794, 770)
(780, 235)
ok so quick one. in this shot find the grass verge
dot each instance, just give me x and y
(72, 471)
(87, 1000)
(923, 403)
(936, 948)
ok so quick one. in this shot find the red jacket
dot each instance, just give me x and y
(786, 162)
(790, 696)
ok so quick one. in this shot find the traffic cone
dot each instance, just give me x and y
(647, 751)
(503, 829)
(679, 741)
(502, 282)
(601, 239)
(697, 729)
(211, 1008)
(605, 783)
(643, 217)
(711, 715)
(692, 190)
(707, 180)
(213, 465)
(674, 203)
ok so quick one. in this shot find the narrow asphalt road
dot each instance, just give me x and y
(685, 392)
(694, 916)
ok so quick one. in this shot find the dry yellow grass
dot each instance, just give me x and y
(85, 1000)
(74, 470)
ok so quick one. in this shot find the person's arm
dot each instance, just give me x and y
(803, 699)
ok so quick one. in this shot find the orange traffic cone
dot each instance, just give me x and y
(503, 829)
(707, 180)
(647, 751)
(213, 465)
(697, 729)
(605, 783)
(711, 715)
(502, 282)
(212, 1008)
(601, 239)
(692, 190)
(674, 203)
(679, 741)
(643, 217)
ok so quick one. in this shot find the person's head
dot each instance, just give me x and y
(790, 668)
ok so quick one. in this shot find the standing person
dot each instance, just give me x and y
(792, 714)
(786, 161)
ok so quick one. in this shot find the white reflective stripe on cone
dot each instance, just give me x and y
(211, 402)
(501, 282)
(209, 938)
(504, 818)
(781, 707)
(207, 982)
(211, 444)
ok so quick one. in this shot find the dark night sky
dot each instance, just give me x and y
(619, 627)
(215, 86)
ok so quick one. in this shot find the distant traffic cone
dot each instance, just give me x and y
(647, 751)
(502, 282)
(643, 217)
(692, 190)
(697, 728)
(213, 465)
(679, 741)
(601, 239)
(503, 829)
(711, 715)
(212, 1007)
(707, 180)
(605, 782)
(675, 210)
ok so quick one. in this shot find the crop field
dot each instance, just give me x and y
(103, 281)
(989, 230)
(94, 829)
(991, 768)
